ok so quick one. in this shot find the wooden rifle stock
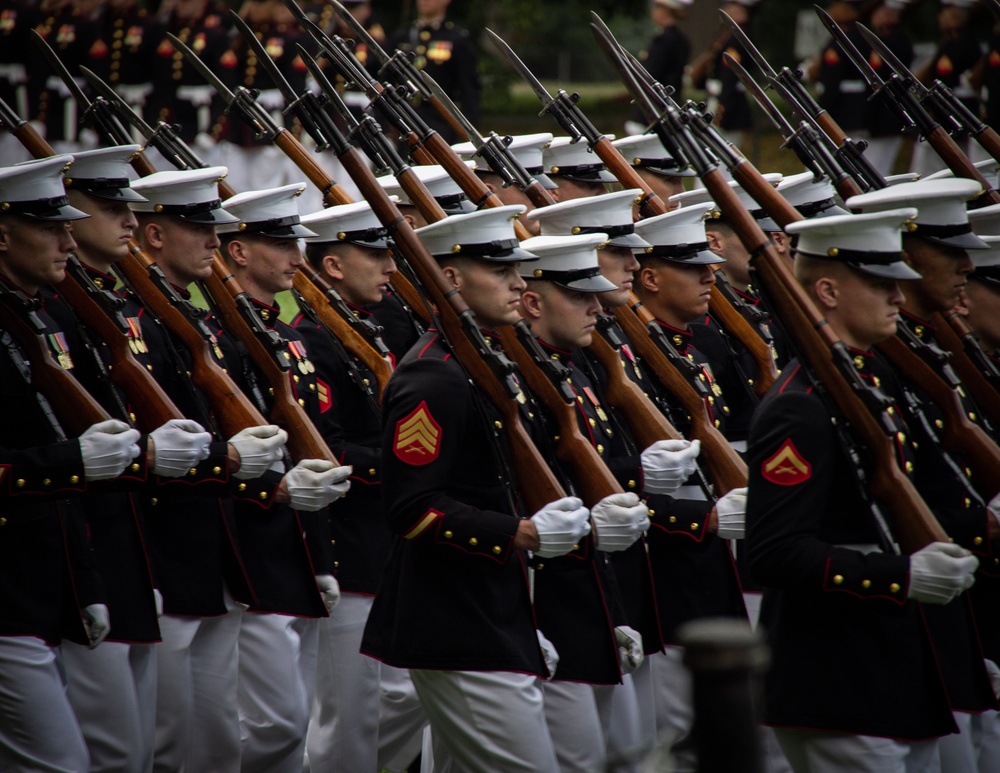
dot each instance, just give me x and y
(593, 479)
(960, 164)
(314, 287)
(979, 453)
(73, 404)
(232, 409)
(914, 524)
(645, 421)
(304, 440)
(537, 484)
(727, 316)
(153, 407)
(955, 336)
(724, 466)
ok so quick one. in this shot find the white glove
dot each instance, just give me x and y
(158, 601)
(667, 464)
(329, 589)
(940, 572)
(315, 483)
(994, 507)
(178, 445)
(630, 654)
(732, 512)
(549, 654)
(619, 520)
(258, 448)
(107, 449)
(994, 673)
(561, 525)
(95, 623)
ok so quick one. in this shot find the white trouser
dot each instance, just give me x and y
(810, 751)
(958, 750)
(674, 706)
(275, 653)
(987, 725)
(38, 730)
(343, 726)
(575, 727)
(312, 199)
(486, 721)
(197, 715)
(629, 726)
(401, 719)
(113, 691)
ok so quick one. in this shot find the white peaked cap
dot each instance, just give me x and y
(608, 213)
(526, 148)
(871, 242)
(647, 151)
(575, 161)
(985, 220)
(701, 195)
(188, 194)
(811, 197)
(990, 257)
(270, 212)
(349, 223)
(989, 166)
(35, 189)
(104, 172)
(440, 185)
(902, 177)
(678, 236)
(942, 216)
(569, 261)
(486, 234)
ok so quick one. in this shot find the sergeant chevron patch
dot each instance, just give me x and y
(786, 467)
(418, 437)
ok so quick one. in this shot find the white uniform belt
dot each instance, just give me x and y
(13, 73)
(852, 87)
(866, 549)
(196, 95)
(696, 493)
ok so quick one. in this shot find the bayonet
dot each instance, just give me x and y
(164, 137)
(785, 129)
(934, 100)
(399, 69)
(493, 150)
(243, 101)
(560, 106)
(97, 113)
(301, 106)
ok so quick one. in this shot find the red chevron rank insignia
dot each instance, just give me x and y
(325, 396)
(418, 437)
(786, 467)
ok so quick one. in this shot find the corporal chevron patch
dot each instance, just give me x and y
(418, 437)
(325, 395)
(786, 467)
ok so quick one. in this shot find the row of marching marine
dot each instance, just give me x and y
(438, 476)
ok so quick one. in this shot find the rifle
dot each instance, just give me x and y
(978, 373)
(939, 99)
(76, 408)
(724, 310)
(234, 411)
(804, 141)
(899, 98)
(398, 69)
(826, 356)
(99, 310)
(95, 308)
(266, 349)
(919, 365)
(787, 83)
(490, 372)
(494, 151)
(392, 104)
